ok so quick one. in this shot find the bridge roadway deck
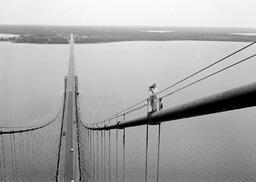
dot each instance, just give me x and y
(69, 136)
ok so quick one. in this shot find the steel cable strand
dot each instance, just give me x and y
(15, 157)
(59, 151)
(79, 152)
(182, 80)
(34, 156)
(60, 138)
(121, 112)
(29, 155)
(91, 159)
(102, 162)
(205, 68)
(130, 111)
(210, 75)
(1, 165)
(27, 129)
(124, 151)
(33, 126)
(104, 159)
(11, 154)
(146, 155)
(158, 152)
(21, 155)
(98, 154)
(2, 160)
(116, 151)
(201, 79)
(109, 155)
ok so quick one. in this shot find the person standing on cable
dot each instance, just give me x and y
(153, 97)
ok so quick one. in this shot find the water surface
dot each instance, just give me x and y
(219, 147)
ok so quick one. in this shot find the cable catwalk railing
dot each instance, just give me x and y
(143, 103)
(105, 142)
(30, 154)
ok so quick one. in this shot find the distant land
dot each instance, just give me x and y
(43, 34)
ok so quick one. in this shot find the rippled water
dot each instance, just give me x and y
(219, 147)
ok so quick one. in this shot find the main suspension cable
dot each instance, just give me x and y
(182, 80)
(27, 129)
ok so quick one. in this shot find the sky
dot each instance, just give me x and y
(213, 13)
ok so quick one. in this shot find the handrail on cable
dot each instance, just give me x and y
(182, 80)
(237, 98)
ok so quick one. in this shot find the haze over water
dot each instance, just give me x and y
(218, 147)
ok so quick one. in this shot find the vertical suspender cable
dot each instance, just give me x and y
(90, 143)
(12, 165)
(39, 151)
(14, 156)
(84, 162)
(91, 137)
(21, 157)
(90, 155)
(38, 163)
(124, 152)
(102, 163)
(93, 159)
(3, 157)
(104, 156)
(27, 154)
(32, 155)
(97, 157)
(146, 160)
(158, 152)
(116, 154)
(36, 156)
(109, 156)
(1, 164)
(91, 172)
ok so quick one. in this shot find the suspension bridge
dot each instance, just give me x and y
(69, 149)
